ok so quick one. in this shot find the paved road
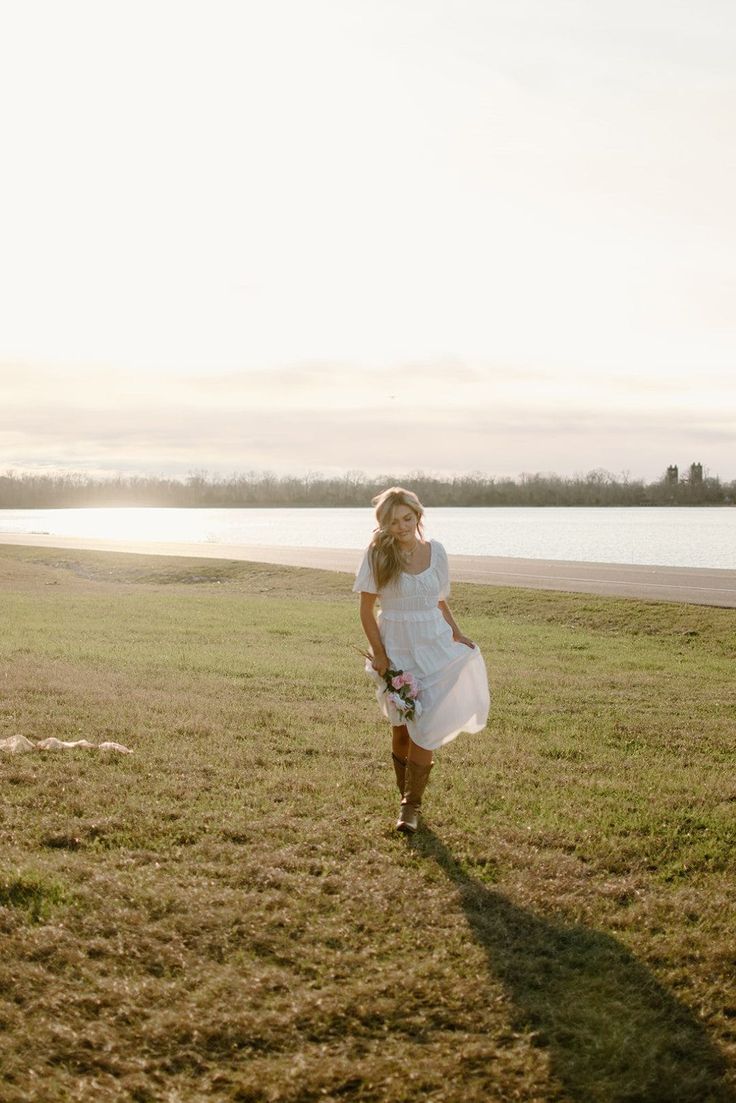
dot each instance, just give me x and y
(701, 586)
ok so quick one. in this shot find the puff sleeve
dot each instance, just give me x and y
(443, 572)
(364, 580)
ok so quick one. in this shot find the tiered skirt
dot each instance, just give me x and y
(452, 677)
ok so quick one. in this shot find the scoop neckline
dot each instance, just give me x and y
(416, 574)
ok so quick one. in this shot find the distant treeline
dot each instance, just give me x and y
(597, 488)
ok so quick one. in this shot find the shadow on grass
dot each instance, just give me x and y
(613, 1033)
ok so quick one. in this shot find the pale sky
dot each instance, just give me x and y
(388, 235)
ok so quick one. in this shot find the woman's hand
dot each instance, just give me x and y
(380, 662)
(457, 635)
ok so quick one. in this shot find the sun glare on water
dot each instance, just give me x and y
(131, 523)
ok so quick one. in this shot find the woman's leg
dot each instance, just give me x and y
(400, 742)
(400, 752)
(418, 754)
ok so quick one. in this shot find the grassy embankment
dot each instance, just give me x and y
(228, 914)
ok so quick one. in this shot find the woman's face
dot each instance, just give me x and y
(403, 524)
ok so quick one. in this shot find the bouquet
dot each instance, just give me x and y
(402, 690)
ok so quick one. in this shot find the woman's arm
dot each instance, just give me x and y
(370, 627)
(457, 635)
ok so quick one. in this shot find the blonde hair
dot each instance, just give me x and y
(385, 558)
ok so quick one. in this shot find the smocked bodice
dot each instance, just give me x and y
(414, 593)
(411, 594)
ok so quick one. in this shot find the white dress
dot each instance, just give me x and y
(452, 676)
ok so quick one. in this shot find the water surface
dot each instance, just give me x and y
(671, 536)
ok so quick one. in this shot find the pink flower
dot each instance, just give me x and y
(400, 680)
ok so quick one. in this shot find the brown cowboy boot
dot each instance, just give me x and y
(400, 770)
(415, 783)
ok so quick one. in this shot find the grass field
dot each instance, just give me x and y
(228, 913)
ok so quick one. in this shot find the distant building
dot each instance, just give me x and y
(696, 474)
(672, 475)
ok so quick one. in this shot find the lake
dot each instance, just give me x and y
(667, 536)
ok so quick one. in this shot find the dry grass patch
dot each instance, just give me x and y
(228, 914)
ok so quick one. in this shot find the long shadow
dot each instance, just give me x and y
(613, 1033)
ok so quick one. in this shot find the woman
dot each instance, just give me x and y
(415, 632)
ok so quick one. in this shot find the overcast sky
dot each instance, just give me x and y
(388, 235)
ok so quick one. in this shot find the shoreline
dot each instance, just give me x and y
(690, 585)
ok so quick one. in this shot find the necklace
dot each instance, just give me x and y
(407, 556)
